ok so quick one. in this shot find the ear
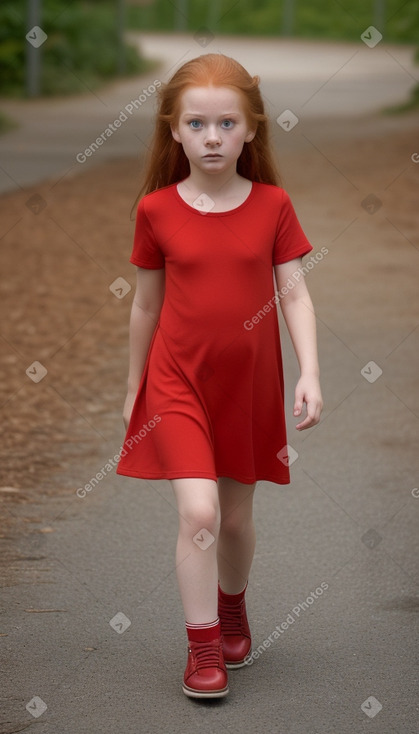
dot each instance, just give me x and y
(175, 133)
(250, 135)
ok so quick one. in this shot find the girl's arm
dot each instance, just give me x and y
(145, 314)
(297, 309)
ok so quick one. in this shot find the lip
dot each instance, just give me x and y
(213, 155)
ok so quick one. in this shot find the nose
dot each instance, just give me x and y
(213, 136)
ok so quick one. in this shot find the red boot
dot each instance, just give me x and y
(235, 631)
(205, 674)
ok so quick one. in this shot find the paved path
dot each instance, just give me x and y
(92, 626)
(319, 82)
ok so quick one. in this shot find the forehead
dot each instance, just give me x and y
(207, 100)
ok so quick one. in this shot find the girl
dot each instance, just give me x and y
(205, 402)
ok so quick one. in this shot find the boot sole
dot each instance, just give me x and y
(193, 693)
(232, 666)
(240, 663)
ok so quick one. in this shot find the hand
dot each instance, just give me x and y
(308, 391)
(128, 406)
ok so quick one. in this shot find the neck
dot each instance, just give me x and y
(217, 184)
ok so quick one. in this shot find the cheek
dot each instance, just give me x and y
(191, 136)
(237, 137)
(191, 142)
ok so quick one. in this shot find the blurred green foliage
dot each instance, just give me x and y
(81, 50)
(6, 123)
(333, 19)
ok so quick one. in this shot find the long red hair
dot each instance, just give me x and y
(167, 163)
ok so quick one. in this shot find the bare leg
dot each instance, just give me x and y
(236, 542)
(199, 510)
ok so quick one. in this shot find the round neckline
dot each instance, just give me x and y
(210, 213)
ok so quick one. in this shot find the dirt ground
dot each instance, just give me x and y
(64, 244)
(57, 309)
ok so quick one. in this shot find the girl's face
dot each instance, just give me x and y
(212, 128)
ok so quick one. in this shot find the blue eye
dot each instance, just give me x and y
(195, 124)
(227, 124)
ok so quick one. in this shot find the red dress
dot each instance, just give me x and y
(211, 398)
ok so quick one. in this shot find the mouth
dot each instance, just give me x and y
(213, 155)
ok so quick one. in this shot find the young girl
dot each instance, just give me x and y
(205, 402)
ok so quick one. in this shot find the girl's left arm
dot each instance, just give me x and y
(297, 309)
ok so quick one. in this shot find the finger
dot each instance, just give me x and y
(298, 405)
(311, 419)
(306, 423)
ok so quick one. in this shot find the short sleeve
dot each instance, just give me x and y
(146, 252)
(290, 240)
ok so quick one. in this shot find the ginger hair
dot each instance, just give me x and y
(167, 162)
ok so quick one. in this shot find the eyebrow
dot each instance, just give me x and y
(223, 114)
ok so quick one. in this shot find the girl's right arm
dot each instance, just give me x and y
(145, 314)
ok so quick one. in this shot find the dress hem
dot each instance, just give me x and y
(202, 475)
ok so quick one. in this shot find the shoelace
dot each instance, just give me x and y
(232, 618)
(207, 654)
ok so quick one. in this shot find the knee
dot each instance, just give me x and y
(235, 525)
(202, 514)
